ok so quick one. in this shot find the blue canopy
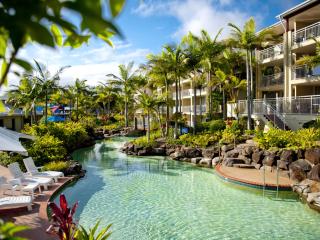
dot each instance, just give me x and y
(56, 119)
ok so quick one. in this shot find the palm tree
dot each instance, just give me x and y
(79, 89)
(248, 39)
(24, 96)
(193, 55)
(176, 60)
(105, 94)
(211, 51)
(311, 61)
(148, 104)
(46, 84)
(159, 74)
(125, 81)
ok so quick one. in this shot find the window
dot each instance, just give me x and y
(1, 123)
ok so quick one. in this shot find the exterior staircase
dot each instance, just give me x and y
(277, 122)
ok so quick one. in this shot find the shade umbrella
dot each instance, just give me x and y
(10, 141)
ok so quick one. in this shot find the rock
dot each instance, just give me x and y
(267, 168)
(297, 174)
(74, 168)
(177, 155)
(300, 154)
(186, 159)
(314, 174)
(282, 164)
(313, 196)
(169, 151)
(210, 152)
(196, 160)
(226, 148)
(191, 152)
(288, 156)
(230, 161)
(137, 148)
(215, 161)
(269, 159)
(245, 158)
(247, 151)
(142, 152)
(231, 154)
(303, 164)
(206, 162)
(312, 155)
(257, 156)
(257, 165)
(159, 151)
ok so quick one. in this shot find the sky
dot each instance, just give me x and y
(147, 25)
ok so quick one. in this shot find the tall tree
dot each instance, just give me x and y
(125, 81)
(248, 39)
(78, 90)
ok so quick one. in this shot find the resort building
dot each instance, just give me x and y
(288, 94)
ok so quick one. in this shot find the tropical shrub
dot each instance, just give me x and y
(143, 141)
(232, 133)
(217, 125)
(8, 231)
(60, 166)
(47, 148)
(83, 234)
(199, 140)
(6, 159)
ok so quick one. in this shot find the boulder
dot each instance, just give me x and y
(303, 164)
(288, 156)
(314, 174)
(231, 154)
(247, 151)
(245, 158)
(207, 162)
(297, 174)
(177, 155)
(257, 165)
(257, 156)
(186, 159)
(210, 152)
(283, 164)
(312, 155)
(226, 148)
(196, 160)
(74, 168)
(300, 154)
(191, 152)
(137, 148)
(142, 152)
(230, 161)
(215, 161)
(159, 151)
(169, 151)
(269, 159)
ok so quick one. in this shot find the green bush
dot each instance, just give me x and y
(56, 166)
(6, 159)
(232, 133)
(301, 139)
(217, 125)
(143, 141)
(199, 140)
(47, 148)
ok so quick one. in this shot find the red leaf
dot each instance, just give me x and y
(63, 203)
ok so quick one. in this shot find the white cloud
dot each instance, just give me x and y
(195, 15)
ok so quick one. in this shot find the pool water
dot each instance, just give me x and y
(156, 198)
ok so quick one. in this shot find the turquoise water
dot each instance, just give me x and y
(155, 198)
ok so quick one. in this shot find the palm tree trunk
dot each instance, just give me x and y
(70, 106)
(159, 121)
(46, 108)
(35, 113)
(176, 114)
(224, 105)
(200, 106)
(194, 109)
(143, 123)
(126, 113)
(180, 97)
(248, 91)
(167, 113)
(148, 135)
(77, 103)
(109, 107)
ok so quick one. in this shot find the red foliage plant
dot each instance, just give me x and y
(63, 224)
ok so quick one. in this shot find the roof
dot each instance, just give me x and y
(299, 7)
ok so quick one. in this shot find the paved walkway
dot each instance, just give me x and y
(253, 177)
(37, 218)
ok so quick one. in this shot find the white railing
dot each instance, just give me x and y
(189, 92)
(306, 33)
(272, 80)
(271, 52)
(305, 72)
(189, 109)
(305, 105)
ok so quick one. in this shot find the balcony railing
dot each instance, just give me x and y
(305, 105)
(272, 80)
(189, 92)
(306, 33)
(271, 52)
(305, 72)
(189, 109)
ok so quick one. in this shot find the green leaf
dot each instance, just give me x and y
(2, 107)
(57, 34)
(3, 44)
(105, 36)
(3, 69)
(116, 6)
(40, 34)
(22, 63)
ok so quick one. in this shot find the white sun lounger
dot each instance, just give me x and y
(16, 172)
(33, 170)
(15, 185)
(17, 201)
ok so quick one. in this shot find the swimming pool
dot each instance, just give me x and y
(156, 198)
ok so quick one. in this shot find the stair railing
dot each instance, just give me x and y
(268, 109)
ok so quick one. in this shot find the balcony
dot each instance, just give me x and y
(189, 93)
(271, 52)
(306, 33)
(189, 109)
(303, 72)
(272, 80)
